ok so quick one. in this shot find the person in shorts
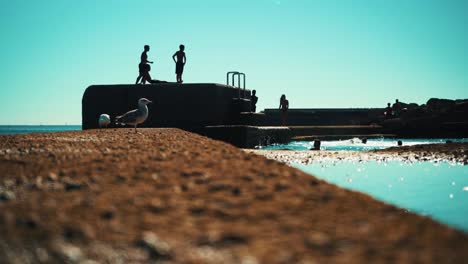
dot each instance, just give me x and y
(180, 62)
(144, 67)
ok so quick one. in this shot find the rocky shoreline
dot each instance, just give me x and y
(169, 196)
(455, 153)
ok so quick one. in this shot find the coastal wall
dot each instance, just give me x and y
(174, 105)
(325, 116)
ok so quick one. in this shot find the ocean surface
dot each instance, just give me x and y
(435, 190)
(355, 144)
(23, 129)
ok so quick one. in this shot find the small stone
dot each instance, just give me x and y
(52, 176)
(7, 196)
(69, 252)
(42, 255)
(9, 183)
(38, 182)
(317, 239)
(157, 248)
(157, 205)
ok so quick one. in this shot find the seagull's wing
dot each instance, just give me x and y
(128, 118)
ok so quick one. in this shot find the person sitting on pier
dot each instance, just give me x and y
(284, 106)
(144, 67)
(253, 101)
(181, 59)
(388, 111)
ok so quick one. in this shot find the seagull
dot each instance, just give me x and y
(136, 116)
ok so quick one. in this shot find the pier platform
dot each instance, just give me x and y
(187, 106)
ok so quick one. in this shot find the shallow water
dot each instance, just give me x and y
(24, 129)
(355, 144)
(437, 190)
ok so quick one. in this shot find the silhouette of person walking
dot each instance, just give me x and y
(144, 68)
(181, 59)
(253, 101)
(284, 106)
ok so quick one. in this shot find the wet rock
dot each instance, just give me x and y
(156, 247)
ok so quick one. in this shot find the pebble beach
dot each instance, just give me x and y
(170, 196)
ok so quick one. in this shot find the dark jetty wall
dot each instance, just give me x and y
(325, 116)
(174, 105)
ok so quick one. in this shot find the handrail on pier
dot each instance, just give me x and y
(238, 74)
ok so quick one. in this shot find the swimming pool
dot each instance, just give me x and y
(355, 144)
(436, 190)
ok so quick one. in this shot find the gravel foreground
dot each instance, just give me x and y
(169, 196)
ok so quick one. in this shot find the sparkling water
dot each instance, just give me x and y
(436, 190)
(13, 130)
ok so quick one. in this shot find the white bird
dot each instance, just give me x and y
(104, 120)
(136, 116)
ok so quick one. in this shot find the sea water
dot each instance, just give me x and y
(436, 190)
(24, 129)
(355, 144)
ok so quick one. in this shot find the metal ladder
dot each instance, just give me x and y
(238, 74)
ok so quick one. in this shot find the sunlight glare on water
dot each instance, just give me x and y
(437, 190)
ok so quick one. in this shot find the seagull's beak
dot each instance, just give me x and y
(150, 102)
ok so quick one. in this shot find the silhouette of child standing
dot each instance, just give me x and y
(144, 67)
(180, 62)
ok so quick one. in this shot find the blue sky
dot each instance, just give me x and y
(320, 53)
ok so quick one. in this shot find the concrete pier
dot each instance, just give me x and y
(185, 106)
